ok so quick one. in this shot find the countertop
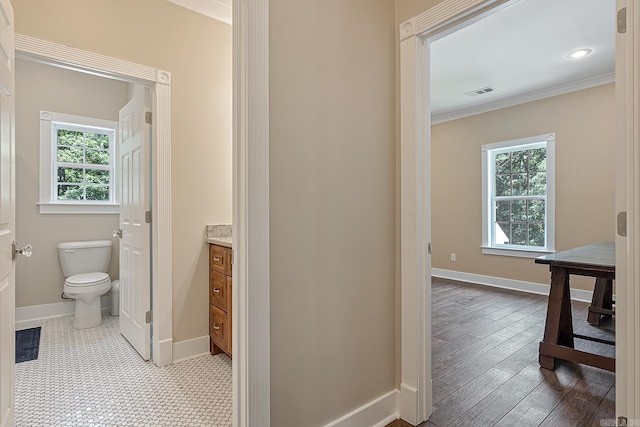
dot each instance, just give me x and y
(221, 241)
(219, 234)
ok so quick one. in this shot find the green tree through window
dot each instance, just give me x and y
(519, 177)
(518, 196)
(83, 165)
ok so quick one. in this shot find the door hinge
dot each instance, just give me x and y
(429, 248)
(148, 316)
(621, 224)
(623, 421)
(147, 217)
(148, 117)
(622, 20)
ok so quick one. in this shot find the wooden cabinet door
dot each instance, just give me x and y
(218, 290)
(219, 259)
(218, 328)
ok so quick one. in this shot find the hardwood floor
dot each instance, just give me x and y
(485, 363)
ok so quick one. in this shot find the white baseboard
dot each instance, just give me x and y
(189, 349)
(377, 413)
(57, 309)
(499, 282)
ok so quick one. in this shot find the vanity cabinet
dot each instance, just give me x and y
(220, 285)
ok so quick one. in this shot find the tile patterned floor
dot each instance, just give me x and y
(93, 377)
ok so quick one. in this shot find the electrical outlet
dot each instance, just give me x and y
(453, 257)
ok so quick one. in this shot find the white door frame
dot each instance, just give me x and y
(627, 199)
(251, 275)
(415, 400)
(160, 81)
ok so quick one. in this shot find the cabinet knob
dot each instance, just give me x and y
(216, 290)
(216, 259)
(216, 327)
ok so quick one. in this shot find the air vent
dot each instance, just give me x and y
(481, 91)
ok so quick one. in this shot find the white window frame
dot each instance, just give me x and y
(49, 204)
(488, 189)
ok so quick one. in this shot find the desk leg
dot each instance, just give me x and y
(559, 325)
(602, 298)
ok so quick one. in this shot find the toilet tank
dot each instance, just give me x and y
(89, 256)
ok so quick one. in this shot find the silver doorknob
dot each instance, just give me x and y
(26, 250)
(117, 233)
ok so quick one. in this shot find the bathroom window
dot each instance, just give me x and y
(77, 157)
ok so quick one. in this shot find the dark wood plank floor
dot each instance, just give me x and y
(485, 363)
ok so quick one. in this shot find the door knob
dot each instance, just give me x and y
(26, 250)
(117, 233)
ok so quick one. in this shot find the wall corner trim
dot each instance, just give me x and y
(377, 413)
(251, 271)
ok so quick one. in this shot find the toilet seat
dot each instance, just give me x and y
(87, 279)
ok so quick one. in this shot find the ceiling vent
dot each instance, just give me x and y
(481, 91)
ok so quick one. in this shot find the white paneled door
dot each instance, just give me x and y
(7, 217)
(135, 277)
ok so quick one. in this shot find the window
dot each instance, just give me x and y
(518, 196)
(77, 162)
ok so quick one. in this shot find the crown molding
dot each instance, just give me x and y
(524, 98)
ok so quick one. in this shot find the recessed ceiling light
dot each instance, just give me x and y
(578, 53)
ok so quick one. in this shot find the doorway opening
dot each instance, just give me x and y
(526, 89)
(160, 83)
(418, 139)
(87, 180)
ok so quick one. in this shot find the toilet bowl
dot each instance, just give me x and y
(85, 265)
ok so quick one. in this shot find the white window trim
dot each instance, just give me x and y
(523, 252)
(47, 204)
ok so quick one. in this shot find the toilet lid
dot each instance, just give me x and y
(86, 278)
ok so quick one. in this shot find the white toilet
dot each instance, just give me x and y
(85, 265)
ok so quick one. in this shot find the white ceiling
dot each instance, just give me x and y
(520, 51)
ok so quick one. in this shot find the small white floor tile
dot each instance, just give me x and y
(93, 377)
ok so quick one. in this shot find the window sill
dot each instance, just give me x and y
(519, 253)
(73, 208)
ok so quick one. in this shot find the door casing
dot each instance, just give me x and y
(415, 399)
(160, 82)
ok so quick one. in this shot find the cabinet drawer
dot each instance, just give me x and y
(220, 259)
(218, 328)
(218, 290)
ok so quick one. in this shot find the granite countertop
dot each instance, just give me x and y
(221, 241)
(219, 234)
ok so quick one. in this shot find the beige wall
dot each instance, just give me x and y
(197, 52)
(39, 279)
(584, 124)
(332, 159)
(407, 9)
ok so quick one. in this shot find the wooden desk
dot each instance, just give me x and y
(596, 260)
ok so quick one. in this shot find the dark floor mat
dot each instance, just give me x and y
(27, 344)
